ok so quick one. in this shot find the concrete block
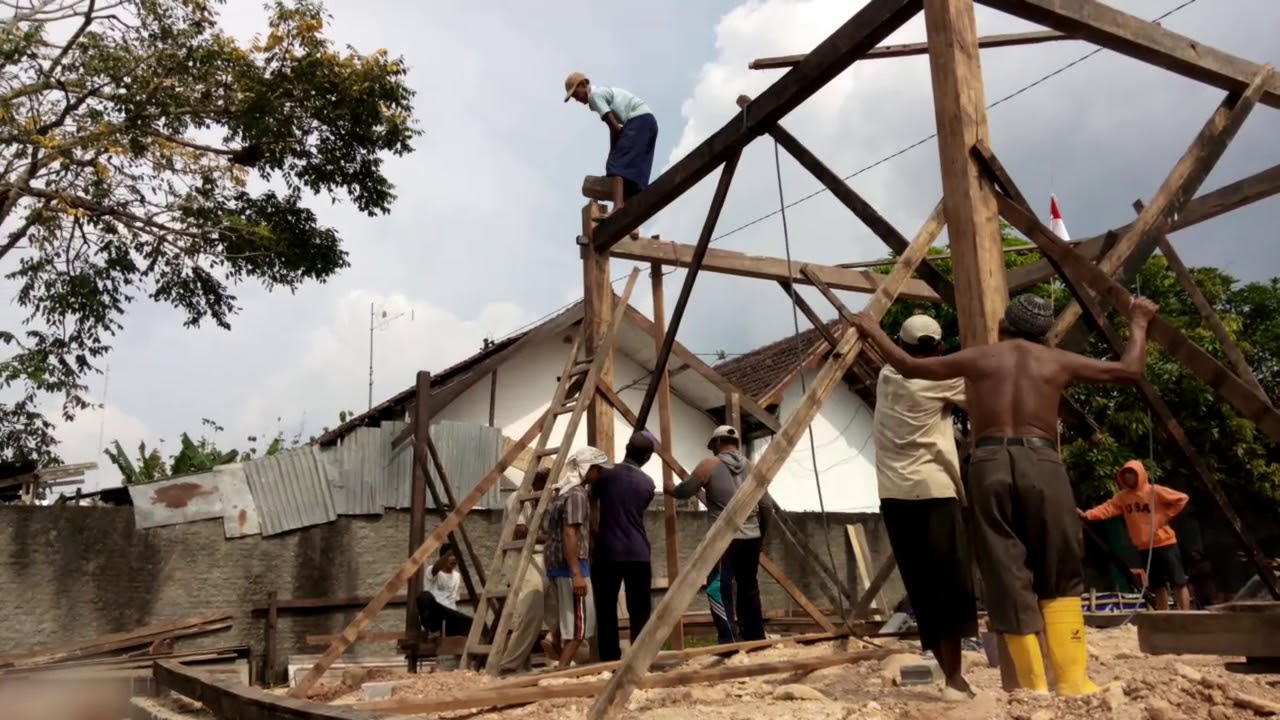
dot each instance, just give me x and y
(371, 691)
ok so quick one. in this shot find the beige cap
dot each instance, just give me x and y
(919, 327)
(571, 82)
(724, 431)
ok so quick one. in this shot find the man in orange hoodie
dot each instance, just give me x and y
(1147, 509)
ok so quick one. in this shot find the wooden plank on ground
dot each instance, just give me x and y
(485, 698)
(227, 698)
(114, 642)
(1199, 632)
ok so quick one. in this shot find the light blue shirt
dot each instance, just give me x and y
(623, 104)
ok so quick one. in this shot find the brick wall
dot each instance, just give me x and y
(71, 573)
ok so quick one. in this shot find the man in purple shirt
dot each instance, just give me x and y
(622, 554)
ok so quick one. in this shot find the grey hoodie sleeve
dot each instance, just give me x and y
(686, 489)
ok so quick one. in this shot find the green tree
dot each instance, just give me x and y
(1242, 459)
(146, 153)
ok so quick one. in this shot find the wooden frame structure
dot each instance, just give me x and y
(977, 192)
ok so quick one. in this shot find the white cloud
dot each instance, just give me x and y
(83, 440)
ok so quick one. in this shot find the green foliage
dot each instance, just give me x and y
(145, 153)
(1242, 459)
(193, 456)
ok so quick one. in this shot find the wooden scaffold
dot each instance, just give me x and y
(977, 193)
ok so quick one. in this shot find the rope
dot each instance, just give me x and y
(1151, 458)
(800, 353)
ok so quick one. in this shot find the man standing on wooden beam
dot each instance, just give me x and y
(633, 134)
(1028, 539)
(918, 477)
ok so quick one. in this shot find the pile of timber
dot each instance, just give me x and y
(125, 655)
(1236, 629)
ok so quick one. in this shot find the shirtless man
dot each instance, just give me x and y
(1027, 536)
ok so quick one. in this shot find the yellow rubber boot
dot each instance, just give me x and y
(1028, 662)
(1068, 654)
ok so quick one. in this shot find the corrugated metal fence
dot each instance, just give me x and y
(307, 485)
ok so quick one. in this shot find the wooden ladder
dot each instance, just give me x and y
(572, 397)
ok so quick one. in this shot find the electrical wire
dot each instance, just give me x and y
(800, 353)
(926, 139)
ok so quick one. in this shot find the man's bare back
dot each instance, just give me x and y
(1015, 385)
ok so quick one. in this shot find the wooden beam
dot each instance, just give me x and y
(686, 289)
(681, 593)
(598, 299)
(1208, 206)
(752, 408)
(1140, 39)
(1205, 308)
(411, 566)
(1233, 634)
(1135, 246)
(231, 698)
(730, 262)
(973, 226)
(810, 314)
(671, 530)
(483, 698)
(877, 20)
(877, 223)
(1080, 276)
(418, 511)
(862, 558)
(883, 52)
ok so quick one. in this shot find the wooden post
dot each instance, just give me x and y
(417, 514)
(597, 309)
(272, 640)
(972, 223)
(733, 415)
(670, 526)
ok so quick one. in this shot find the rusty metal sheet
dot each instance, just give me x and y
(291, 490)
(397, 479)
(173, 501)
(240, 513)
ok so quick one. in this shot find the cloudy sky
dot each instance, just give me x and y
(481, 241)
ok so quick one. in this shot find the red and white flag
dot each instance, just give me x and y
(1056, 224)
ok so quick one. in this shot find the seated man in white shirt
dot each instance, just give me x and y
(438, 602)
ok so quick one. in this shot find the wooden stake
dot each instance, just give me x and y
(597, 310)
(868, 598)
(418, 516)
(681, 592)
(412, 566)
(682, 301)
(1135, 246)
(972, 223)
(670, 526)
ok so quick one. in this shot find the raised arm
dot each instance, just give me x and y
(696, 480)
(946, 367)
(1131, 367)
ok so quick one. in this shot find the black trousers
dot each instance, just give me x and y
(433, 615)
(740, 588)
(607, 578)
(929, 543)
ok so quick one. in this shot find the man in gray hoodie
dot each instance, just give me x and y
(720, 476)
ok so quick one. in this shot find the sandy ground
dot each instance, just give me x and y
(1150, 687)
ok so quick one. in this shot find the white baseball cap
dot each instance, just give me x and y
(724, 431)
(919, 327)
(585, 457)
